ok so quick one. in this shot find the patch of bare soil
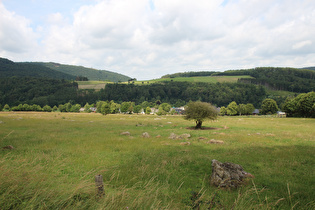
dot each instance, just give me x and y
(203, 128)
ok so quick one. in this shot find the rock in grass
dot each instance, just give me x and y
(182, 136)
(228, 175)
(126, 133)
(213, 141)
(146, 135)
(172, 136)
(9, 147)
(185, 143)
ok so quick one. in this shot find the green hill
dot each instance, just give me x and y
(309, 68)
(90, 73)
(277, 78)
(9, 69)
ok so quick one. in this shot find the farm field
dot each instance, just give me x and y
(208, 79)
(57, 156)
(97, 85)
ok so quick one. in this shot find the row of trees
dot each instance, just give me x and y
(15, 91)
(301, 106)
(233, 109)
(277, 78)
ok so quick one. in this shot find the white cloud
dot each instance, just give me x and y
(148, 38)
(16, 35)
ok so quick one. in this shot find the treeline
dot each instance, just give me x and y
(288, 79)
(219, 94)
(301, 106)
(15, 91)
(190, 74)
(30, 90)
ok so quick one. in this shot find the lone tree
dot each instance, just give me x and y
(200, 111)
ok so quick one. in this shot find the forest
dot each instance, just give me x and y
(275, 78)
(9, 69)
(288, 79)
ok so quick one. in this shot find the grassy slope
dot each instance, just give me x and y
(209, 79)
(90, 73)
(57, 156)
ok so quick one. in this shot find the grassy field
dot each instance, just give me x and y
(209, 79)
(97, 85)
(57, 155)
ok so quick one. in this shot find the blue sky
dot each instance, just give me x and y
(146, 39)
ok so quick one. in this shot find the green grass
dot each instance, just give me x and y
(97, 85)
(57, 156)
(208, 79)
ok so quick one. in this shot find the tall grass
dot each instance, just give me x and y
(57, 155)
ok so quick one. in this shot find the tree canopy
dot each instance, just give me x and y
(200, 111)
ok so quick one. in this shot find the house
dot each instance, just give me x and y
(154, 110)
(179, 110)
(255, 112)
(93, 109)
(281, 114)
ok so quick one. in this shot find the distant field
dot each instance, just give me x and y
(97, 85)
(209, 79)
(57, 155)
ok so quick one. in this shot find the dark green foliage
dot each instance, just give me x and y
(30, 90)
(301, 106)
(81, 78)
(137, 109)
(9, 68)
(289, 79)
(269, 106)
(200, 111)
(91, 74)
(190, 74)
(220, 94)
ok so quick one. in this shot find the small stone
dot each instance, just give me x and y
(126, 133)
(172, 136)
(213, 141)
(158, 136)
(9, 147)
(185, 143)
(146, 135)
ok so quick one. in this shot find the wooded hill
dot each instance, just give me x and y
(51, 70)
(9, 69)
(90, 73)
(274, 78)
(253, 86)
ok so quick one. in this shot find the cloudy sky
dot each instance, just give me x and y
(146, 39)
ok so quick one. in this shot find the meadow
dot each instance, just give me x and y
(57, 156)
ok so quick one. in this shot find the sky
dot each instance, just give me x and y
(146, 39)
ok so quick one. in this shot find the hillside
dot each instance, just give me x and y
(276, 78)
(90, 73)
(9, 68)
(309, 68)
(206, 79)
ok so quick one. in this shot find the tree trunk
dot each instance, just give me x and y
(198, 124)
